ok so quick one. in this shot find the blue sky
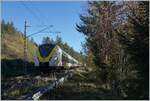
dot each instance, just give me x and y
(62, 15)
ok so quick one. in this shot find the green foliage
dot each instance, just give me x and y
(101, 39)
(117, 36)
(13, 42)
(7, 28)
(136, 43)
(12, 51)
(47, 40)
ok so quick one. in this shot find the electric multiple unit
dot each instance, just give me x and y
(52, 57)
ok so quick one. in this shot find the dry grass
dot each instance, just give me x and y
(12, 47)
(13, 51)
(80, 88)
(15, 88)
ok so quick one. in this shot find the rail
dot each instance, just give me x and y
(39, 92)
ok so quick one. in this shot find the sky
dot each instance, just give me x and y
(63, 15)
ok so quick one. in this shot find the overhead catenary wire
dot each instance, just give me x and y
(37, 17)
(31, 12)
(40, 31)
(35, 12)
(44, 17)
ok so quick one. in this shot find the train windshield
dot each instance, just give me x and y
(46, 49)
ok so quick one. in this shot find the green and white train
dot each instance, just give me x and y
(52, 57)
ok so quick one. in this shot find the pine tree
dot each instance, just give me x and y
(136, 43)
(114, 53)
(46, 40)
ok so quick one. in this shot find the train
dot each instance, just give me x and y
(50, 57)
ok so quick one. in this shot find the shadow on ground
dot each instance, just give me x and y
(78, 88)
(15, 67)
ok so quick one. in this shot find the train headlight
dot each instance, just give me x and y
(55, 58)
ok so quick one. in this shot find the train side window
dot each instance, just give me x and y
(65, 59)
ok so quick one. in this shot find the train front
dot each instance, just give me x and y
(48, 57)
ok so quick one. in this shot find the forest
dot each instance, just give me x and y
(115, 54)
(117, 45)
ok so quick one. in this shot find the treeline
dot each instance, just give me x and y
(12, 42)
(117, 45)
(7, 28)
(12, 51)
(10, 29)
(79, 56)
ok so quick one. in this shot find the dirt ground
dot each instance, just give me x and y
(16, 87)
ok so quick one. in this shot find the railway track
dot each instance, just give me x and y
(54, 85)
(32, 86)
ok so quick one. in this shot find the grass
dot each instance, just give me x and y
(13, 47)
(80, 88)
(15, 67)
(12, 55)
(15, 88)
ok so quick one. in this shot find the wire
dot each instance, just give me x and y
(38, 19)
(40, 31)
(33, 13)
(38, 10)
(43, 15)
